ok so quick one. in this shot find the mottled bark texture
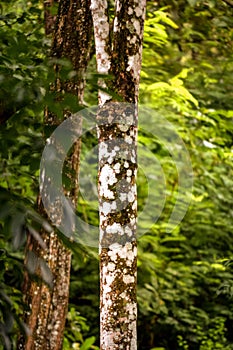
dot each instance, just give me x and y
(117, 131)
(47, 302)
(127, 47)
(118, 52)
(49, 15)
(73, 38)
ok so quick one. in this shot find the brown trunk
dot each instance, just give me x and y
(47, 303)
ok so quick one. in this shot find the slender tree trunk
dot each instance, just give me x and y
(118, 52)
(47, 304)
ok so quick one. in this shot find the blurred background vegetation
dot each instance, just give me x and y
(185, 284)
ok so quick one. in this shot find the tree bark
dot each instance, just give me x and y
(119, 52)
(47, 303)
(49, 17)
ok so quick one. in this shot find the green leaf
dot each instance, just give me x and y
(87, 343)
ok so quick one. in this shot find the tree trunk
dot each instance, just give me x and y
(118, 52)
(47, 302)
(49, 16)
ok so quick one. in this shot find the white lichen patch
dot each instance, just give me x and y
(130, 63)
(115, 228)
(126, 164)
(118, 6)
(103, 97)
(103, 150)
(107, 152)
(123, 196)
(95, 4)
(128, 231)
(130, 11)
(134, 205)
(101, 235)
(128, 139)
(131, 256)
(139, 12)
(132, 132)
(123, 127)
(131, 308)
(108, 280)
(131, 196)
(124, 251)
(133, 159)
(117, 167)
(128, 279)
(107, 178)
(116, 25)
(133, 221)
(137, 26)
(109, 277)
(134, 65)
(111, 266)
(108, 207)
(114, 247)
(133, 40)
(105, 192)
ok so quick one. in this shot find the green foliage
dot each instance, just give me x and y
(181, 277)
(23, 76)
(11, 267)
(212, 338)
(76, 324)
(184, 277)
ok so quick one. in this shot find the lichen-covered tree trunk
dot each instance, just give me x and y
(47, 302)
(118, 52)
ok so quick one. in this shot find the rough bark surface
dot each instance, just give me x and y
(127, 47)
(118, 214)
(72, 40)
(47, 302)
(47, 305)
(49, 16)
(99, 9)
(118, 52)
